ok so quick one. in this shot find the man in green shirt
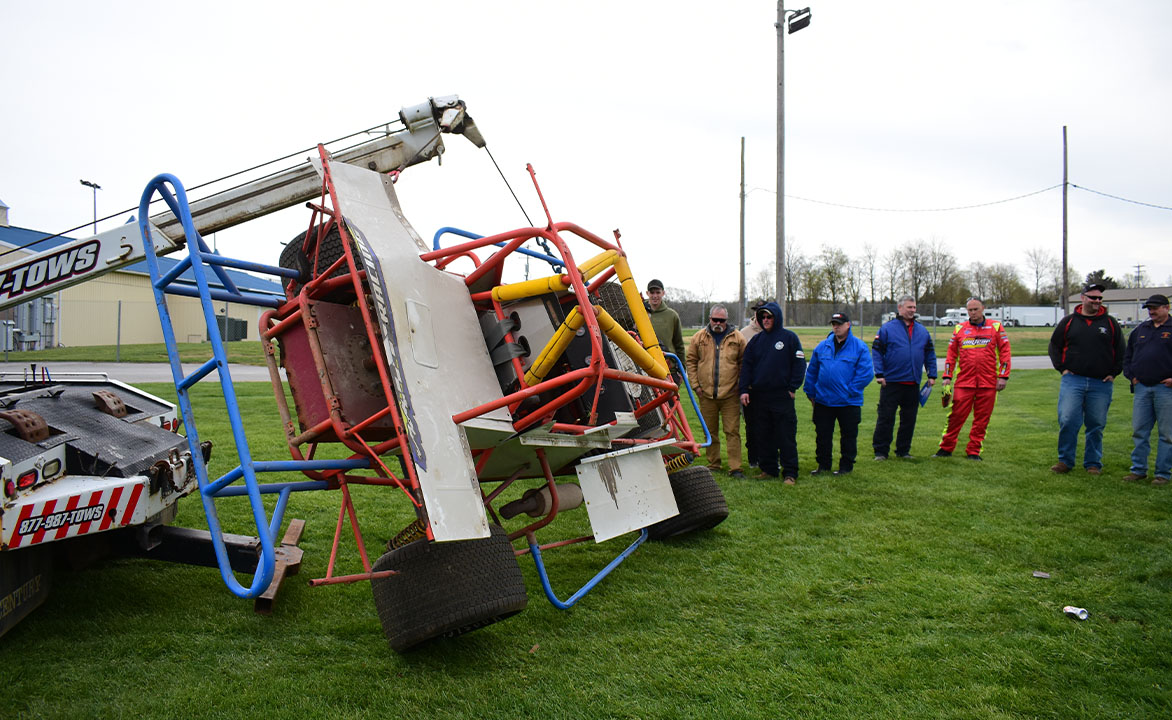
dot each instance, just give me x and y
(666, 321)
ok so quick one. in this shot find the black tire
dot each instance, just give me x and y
(701, 503)
(447, 589)
(292, 256)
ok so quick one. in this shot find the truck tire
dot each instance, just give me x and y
(447, 589)
(701, 503)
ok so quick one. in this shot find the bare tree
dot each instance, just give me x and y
(856, 280)
(1041, 264)
(795, 263)
(870, 260)
(832, 264)
(942, 274)
(1005, 287)
(892, 272)
(761, 285)
(979, 280)
(916, 266)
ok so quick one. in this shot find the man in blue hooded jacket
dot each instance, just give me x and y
(771, 374)
(840, 369)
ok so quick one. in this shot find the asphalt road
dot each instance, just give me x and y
(161, 372)
(140, 372)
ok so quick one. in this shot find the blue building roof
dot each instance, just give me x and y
(15, 237)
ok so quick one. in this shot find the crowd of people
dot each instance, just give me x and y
(757, 372)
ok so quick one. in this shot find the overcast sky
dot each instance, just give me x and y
(632, 114)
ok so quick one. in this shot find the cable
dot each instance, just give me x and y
(910, 210)
(367, 131)
(510, 187)
(1116, 197)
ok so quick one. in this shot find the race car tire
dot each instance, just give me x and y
(447, 589)
(701, 503)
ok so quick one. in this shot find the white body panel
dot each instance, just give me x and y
(439, 363)
(626, 490)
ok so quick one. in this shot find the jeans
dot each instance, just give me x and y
(1152, 406)
(1082, 401)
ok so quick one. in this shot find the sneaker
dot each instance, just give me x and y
(737, 475)
(1094, 471)
(943, 453)
(1159, 480)
(752, 466)
(1060, 467)
(905, 456)
(821, 471)
(1135, 477)
(840, 471)
(789, 480)
(973, 456)
(880, 458)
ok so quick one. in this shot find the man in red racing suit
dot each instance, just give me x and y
(978, 355)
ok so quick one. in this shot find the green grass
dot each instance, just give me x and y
(903, 590)
(1025, 341)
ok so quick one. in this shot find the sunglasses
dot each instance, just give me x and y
(718, 320)
(1093, 297)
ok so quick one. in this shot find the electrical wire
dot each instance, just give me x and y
(916, 210)
(1116, 197)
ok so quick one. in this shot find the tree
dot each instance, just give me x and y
(761, 284)
(1005, 287)
(916, 264)
(795, 263)
(1099, 276)
(1041, 265)
(870, 260)
(856, 281)
(943, 273)
(892, 272)
(832, 265)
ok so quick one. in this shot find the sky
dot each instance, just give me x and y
(632, 114)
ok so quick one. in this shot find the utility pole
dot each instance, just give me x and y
(797, 19)
(1064, 295)
(741, 312)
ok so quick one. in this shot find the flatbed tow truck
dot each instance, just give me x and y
(530, 399)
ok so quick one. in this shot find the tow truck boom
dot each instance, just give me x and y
(80, 260)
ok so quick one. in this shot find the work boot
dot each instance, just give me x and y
(789, 480)
(1135, 477)
(943, 454)
(1060, 467)
(973, 456)
(1159, 480)
(1092, 470)
(737, 475)
(820, 471)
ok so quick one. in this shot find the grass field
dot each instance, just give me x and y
(903, 590)
(1025, 341)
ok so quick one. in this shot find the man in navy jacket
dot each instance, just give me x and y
(840, 369)
(771, 374)
(902, 350)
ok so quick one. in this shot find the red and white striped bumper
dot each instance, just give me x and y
(74, 506)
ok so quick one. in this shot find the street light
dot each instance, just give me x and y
(96, 187)
(791, 21)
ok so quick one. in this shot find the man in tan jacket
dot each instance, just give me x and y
(714, 367)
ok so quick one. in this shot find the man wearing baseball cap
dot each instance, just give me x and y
(1148, 364)
(1087, 348)
(665, 321)
(838, 371)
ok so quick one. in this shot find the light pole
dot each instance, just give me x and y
(96, 187)
(788, 21)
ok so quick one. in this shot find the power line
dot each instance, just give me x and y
(918, 210)
(1123, 199)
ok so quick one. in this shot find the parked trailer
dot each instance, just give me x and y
(1026, 315)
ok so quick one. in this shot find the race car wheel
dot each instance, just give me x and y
(701, 503)
(447, 589)
(292, 256)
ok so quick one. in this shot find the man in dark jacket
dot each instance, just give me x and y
(840, 369)
(771, 373)
(1147, 362)
(901, 352)
(1087, 348)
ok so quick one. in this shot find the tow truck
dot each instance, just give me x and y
(525, 401)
